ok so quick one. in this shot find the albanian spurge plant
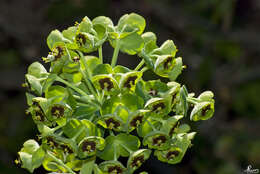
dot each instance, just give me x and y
(87, 111)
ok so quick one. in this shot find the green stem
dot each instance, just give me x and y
(144, 69)
(115, 54)
(78, 133)
(85, 101)
(89, 100)
(158, 119)
(60, 162)
(111, 133)
(71, 86)
(192, 100)
(151, 125)
(100, 54)
(88, 83)
(86, 75)
(139, 65)
(115, 156)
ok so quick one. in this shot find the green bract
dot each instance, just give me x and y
(86, 109)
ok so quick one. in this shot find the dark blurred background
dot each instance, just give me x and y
(219, 41)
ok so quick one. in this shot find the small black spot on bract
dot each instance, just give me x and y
(159, 140)
(51, 142)
(157, 106)
(204, 110)
(40, 114)
(88, 146)
(137, 161)
(172, 154)
(166, 63)
(173, 128)
(57, 111)
(111, 123)
(153, 92)
(66, 148)
(106, 83)
(174, 97)
(81, 39)
(76, 59)
(130, 81)
(59, 53)
(115, 169)
(136, 121)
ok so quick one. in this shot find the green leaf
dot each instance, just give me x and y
(115, 145)
(121, 69)
(87, 168)
(184, 103)
(31, 155)
(184, 128)
(101, 34)
(55, 37)
(131, 44)
(102, 69)
(130, 22)
(148, 37)
(104, 21)
(206, 96)
(131, 101)
(80, 129)
(37, 70)
(85, 25)
(34, 84)
(177, 69)
(56, 92)
(91, 62)
(167, 48)
(70, 33)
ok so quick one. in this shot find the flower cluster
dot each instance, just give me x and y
(86, 109)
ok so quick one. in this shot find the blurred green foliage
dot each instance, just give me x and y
(218, 40)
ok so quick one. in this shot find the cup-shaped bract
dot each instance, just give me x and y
(159, 107)
(137, 158)
(202, 111)
(105, 83)
(89, 145)
(113, 167)
(157, 140)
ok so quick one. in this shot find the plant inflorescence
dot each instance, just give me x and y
(89, 113)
